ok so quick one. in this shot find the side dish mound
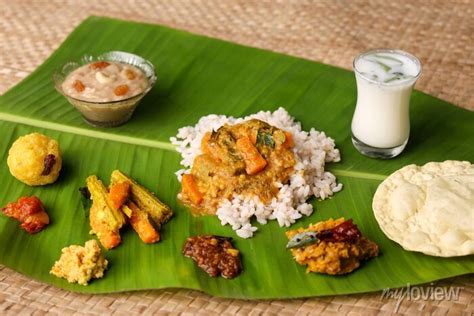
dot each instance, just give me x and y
(214, 254)
(331, 247)
(79, 264)
(30, 212)
(262, 166)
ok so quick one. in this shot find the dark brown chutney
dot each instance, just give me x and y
(214, 254)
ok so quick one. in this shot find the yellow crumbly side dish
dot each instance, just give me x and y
(331, 257)
(79, 264)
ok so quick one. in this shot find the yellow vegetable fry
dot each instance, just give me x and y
(140, 222)
(108, 238)
(119, 194)
(100, 197)
(159, 212)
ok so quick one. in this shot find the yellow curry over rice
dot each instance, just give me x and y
(247, 159)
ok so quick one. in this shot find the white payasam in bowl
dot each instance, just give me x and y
(106, 89)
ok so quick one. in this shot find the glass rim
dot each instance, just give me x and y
(388, 50)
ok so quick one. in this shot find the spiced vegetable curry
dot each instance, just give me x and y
(247, 159)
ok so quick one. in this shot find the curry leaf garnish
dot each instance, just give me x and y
(265, 138)
(302, 239)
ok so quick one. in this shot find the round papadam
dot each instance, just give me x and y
(429, 209)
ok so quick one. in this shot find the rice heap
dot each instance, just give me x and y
(312, 151)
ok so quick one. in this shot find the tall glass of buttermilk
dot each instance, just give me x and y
(381, 122)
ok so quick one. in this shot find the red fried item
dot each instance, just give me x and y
(29, 211)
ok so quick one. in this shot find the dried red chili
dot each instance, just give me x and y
(346, 231)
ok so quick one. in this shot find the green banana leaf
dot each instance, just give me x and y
(197, 76)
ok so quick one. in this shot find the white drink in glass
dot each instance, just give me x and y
(381, 123)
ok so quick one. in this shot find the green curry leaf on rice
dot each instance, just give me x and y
(231, 164)
(265, 138)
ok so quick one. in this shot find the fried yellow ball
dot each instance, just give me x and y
(35, 159)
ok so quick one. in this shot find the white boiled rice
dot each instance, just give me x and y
(312, 150)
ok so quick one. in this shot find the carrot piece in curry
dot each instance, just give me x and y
(289, 142)
(253, 137)
(190, 189)
(254, 162)
(205, 143)
(142, 225)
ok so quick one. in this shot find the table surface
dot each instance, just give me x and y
(440, 33)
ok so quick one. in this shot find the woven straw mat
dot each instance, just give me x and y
(440, 33)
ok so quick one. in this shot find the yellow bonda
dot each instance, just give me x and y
(35, 159)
